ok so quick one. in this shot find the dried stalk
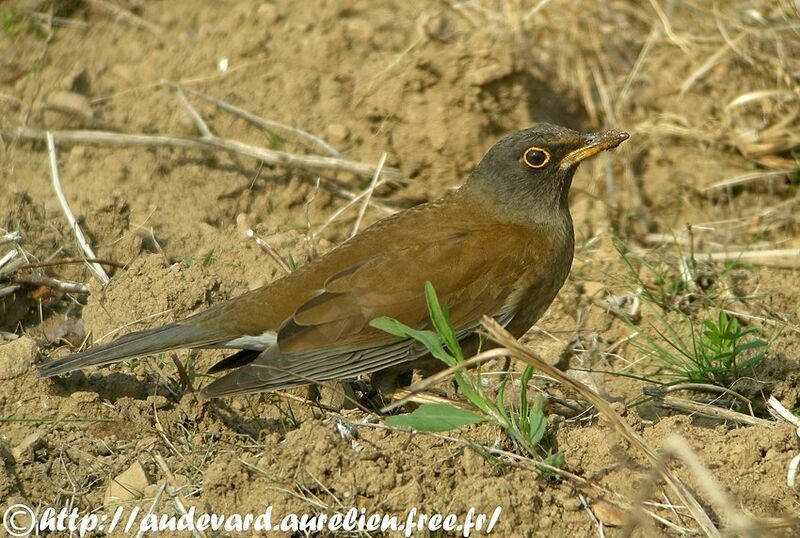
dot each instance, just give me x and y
(268, 156)
(520, 352)
(96, 268)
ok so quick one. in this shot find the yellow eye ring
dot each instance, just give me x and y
(536, 157)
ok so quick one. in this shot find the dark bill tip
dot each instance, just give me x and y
(595, 143)
(608, 139)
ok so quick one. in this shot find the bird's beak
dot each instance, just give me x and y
(594, 143)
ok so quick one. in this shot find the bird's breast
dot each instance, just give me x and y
(547, 265)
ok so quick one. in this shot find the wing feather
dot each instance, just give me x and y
(391, 284)
(329, 336)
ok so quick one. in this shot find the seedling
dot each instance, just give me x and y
(524, 422)
(719, 355)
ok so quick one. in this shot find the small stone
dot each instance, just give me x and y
(488, 74)
(336, 132)
(16, 357)
(84, 396)
(257, 283)
(610, 514)
(619, 408)
(268, 13)
(59, 331)
(159, 401)
(26, 450)
(181, 481)
(573, 504)
(67, 109)
(127, 486)
(151, 491)
(242, 223)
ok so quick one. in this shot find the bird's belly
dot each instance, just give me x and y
(536, 292)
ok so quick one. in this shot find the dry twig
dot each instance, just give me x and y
(520, 352)
(125, 15)
(173, 491)
(363, 209)
(268, 156)
(268, 125)
(60, 285)
(269, 250)
(96, 268)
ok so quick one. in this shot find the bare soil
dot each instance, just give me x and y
(433, 85)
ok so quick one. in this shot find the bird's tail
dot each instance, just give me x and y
(166, 338)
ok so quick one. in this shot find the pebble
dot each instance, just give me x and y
(610, 514)
(336, 133)
(67, 109)
(16, 357)
(268, 14)
(159, 401)
(127, 486)
(84, 396)
(26, 450)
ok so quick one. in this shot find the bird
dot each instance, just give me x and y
(501, 245)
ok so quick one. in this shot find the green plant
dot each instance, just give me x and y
(10, 22)
(524, 422)
(718, 355)
(718, 352)
(208, 257)
(662, 285)
(794, 177)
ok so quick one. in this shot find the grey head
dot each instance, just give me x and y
(527, 174)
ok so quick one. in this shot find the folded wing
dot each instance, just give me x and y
(329, 336)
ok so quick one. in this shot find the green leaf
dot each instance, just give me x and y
(556, 459)
(536, 421)
(747, 346)
(499, 397)
(429, 339)
(751, 363)
(523, 387)
(208, 257)
(391, 326)
(291, 263)
(441, 321)
(472, 392)
(435, 418)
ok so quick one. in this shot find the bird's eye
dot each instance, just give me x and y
(536, 157)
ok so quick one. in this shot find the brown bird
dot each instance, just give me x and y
(501, 245)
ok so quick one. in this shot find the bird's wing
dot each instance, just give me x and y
(329, 336)
(251, 321)
(392, 284)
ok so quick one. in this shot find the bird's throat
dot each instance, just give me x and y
(524, 202)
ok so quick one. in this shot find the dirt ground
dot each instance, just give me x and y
(708, 92)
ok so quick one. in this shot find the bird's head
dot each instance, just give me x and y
(529, 172)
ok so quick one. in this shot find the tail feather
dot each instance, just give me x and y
(237, 360)
(273, 370)
(166, 338)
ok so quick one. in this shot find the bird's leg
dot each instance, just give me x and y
(336, 394)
